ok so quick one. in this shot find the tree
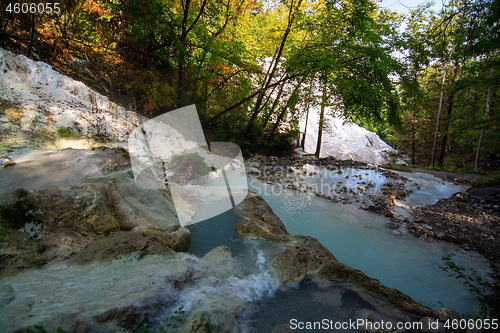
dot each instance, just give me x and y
(481, 138)
(438, 118)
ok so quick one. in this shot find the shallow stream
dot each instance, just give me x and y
(356, 237)
(359, 239)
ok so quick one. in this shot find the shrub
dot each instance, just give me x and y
(65, 132)
(187, 167)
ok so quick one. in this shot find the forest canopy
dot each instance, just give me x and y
(427, 82)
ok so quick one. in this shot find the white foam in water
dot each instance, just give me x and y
(34, 296)
(233, 289)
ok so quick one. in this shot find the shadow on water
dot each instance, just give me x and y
(214, 232)
(323, 308)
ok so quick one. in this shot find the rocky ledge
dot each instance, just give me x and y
(97, 220)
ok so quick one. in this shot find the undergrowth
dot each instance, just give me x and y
(491, 180)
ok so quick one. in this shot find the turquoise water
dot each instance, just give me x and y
(359, 239)
(356, 237)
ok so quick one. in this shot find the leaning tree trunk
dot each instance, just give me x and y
(439, 117)
(484, 126)
(303, 143)
(413, 146)
(292, 101)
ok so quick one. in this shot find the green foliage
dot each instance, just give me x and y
(458, 39)
(158, 55)
(66, 132)
(173, 319)
(193, 158)
(40, 329)
(491, 180)
(176, 318)
(143, 328)
(187, 167)
(473, 282)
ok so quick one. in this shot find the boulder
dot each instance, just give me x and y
(253, 228)
(304, 255)
(446, 313)
(41, 226)
(392, 225)
(220, 320)
(218, 262)
(5, 161)
(259, 220)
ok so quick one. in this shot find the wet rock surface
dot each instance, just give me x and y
(338, 273)
(305, 255)
(199, 323)
(259, 220)
(121, 243)
(461, 178)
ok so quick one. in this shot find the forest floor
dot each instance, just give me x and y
(460, 178)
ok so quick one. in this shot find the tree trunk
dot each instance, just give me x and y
(4, 32)
(485, 123)
(275, 103)
(413, 148)
(32, 36)
(273, 67)
(308, 105)
(276, 124)
(303, 143)
(438, 118)
(183, 38)
(321, 121)
(220, 114)
(449, 101)
(285, 108)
